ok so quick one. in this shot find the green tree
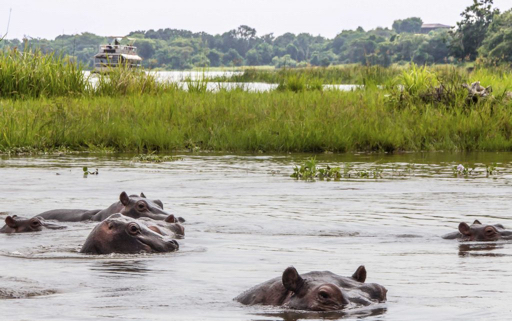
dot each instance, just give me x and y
(497, 46)
(232, 58)
(215, 57)
(252, 57)
(471, 31)
(410, 25)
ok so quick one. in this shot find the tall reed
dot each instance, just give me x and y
(32, 74)
(310, 121)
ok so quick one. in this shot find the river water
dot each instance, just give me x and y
(247, 220)
(182, 78)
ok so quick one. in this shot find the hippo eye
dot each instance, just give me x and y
(35, 223)
(141, 206)
(490, 231)
(133, 229)
(323, 294)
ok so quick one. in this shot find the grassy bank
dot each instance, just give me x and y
(310, 121)
(47, 104)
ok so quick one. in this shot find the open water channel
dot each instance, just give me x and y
(247, 220)
(182, 78)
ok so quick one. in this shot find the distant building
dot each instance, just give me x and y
(428, 27)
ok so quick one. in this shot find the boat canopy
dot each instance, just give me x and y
(131, 57)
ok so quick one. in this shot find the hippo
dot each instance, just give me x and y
(169, 227)
(122, 234)
(16, 224)
(315, 291)
(479, 232)
(133, 206)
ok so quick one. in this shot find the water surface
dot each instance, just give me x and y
(247, 220)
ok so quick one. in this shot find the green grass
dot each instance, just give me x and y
(47, 105)
(348, 74)
(32, 74)
(308, 121)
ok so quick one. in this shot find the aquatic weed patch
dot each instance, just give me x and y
(311, 170)
(153, 158)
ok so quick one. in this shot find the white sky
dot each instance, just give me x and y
(50, 18)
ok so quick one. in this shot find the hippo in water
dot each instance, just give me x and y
(315, 291)
(122, 234)
(169, 227)
(133, 206)
(16, 224)
(479, 232)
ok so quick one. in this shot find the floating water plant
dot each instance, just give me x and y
(491, 170)
(309, 171)
(461, 170)
(153, 158)
(86, 172)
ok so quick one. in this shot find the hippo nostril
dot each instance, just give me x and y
(110, 225)
(176, 244)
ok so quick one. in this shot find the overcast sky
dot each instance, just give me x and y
(50, 18)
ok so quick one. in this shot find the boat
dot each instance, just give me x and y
(115, 55)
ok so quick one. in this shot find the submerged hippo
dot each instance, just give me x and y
(315, 291)
(479, 232)
(121, 234)
(169, 227)
(133, 206)
(16, 224)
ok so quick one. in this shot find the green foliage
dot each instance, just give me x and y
(347, 74)
(471, 31)
(278, 121)
(123, 80)
(197, 86)
(410, 25)
(32, 74)
(295, 83)
(153, 158)
(497, 46)
(306, 171)
(309, 171)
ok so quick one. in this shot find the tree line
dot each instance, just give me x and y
(484, 33)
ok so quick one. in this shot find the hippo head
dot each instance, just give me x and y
(315, 295)
(170, 226)
(139, 206)
(121, 234)
(481, 232)
(15, 224)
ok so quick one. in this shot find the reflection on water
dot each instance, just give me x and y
(247, 220)
(117, 268)
(481, 249)
(290, 315)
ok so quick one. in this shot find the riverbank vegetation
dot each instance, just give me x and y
(483, 34)
(408, 112)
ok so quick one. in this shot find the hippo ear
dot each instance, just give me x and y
(142, 195)
(170, 219)
(159, 202)
(477, 222)
(10, 222)
(292, 280)
(464, 229)
(360, 274)
(124, 198)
